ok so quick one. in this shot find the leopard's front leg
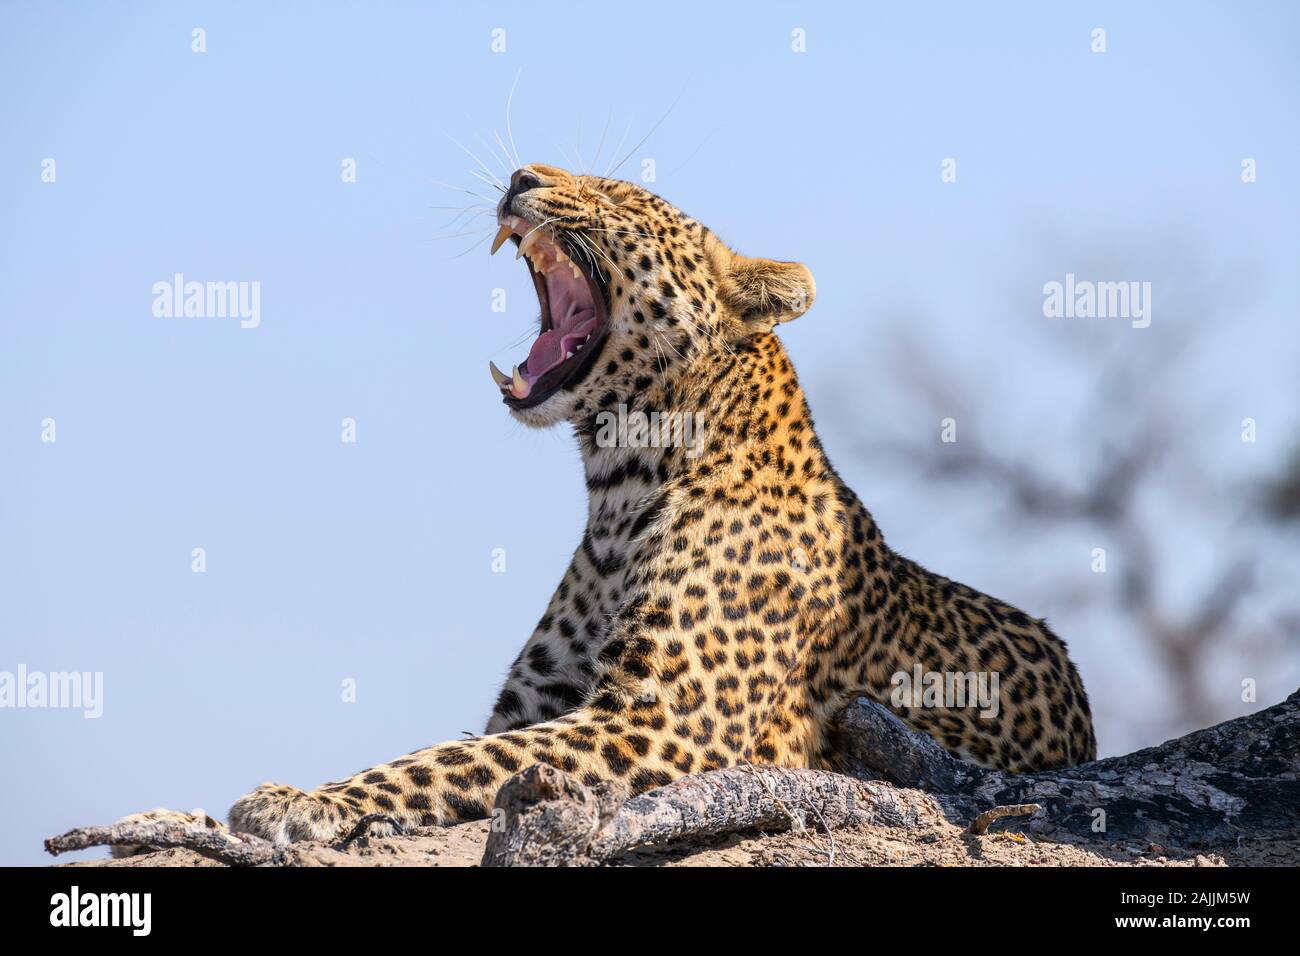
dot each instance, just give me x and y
(553, 673)
(664, 702)
(458, 781)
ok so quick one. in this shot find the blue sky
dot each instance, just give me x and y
(371, 561)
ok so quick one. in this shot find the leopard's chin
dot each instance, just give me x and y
(574, 322)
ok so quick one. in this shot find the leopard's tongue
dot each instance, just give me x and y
(556, 344)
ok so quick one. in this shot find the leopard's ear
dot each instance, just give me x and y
(764, 292)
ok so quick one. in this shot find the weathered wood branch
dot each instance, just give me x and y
(218, 844)
(547, 818)
(1240, 777)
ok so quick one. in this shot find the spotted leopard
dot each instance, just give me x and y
(729, 593)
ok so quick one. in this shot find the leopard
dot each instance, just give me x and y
(729, 594)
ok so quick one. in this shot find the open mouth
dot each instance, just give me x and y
(574, 320)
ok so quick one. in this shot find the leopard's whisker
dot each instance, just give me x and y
(454, 235)
(481, 164)
(595, 160)
(594, 248)
(708, 136)
(492, 151)
(462, 189)
(466, 213)
(567, 157)
(486, 236)
(514, 153)
(477, 175)
(506, 153)
(578, 147)
(668, 342)
(494, 181)
(623, 139)
(643, 139)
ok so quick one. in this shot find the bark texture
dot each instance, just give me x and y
(1237, 778)
(544, 817)
(235, 850)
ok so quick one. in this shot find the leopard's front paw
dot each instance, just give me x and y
(286, 815)
(161, 815)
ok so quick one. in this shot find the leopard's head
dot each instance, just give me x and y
(633, 293)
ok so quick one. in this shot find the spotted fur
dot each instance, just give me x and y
(719, 609)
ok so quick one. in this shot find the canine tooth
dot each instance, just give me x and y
(527, 242)
(498, 376)
(520, 383)
(504, 233)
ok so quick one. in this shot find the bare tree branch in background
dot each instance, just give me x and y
(1108, 502)
(1143, 394)
(1282, 493)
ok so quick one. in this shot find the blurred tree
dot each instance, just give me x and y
(1282, 493)
(1138, 467)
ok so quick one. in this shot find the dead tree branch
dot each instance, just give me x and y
(547, 818)
(219, 844)
(1237, 778)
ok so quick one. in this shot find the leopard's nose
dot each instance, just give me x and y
(520, 182)
(523, 180)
